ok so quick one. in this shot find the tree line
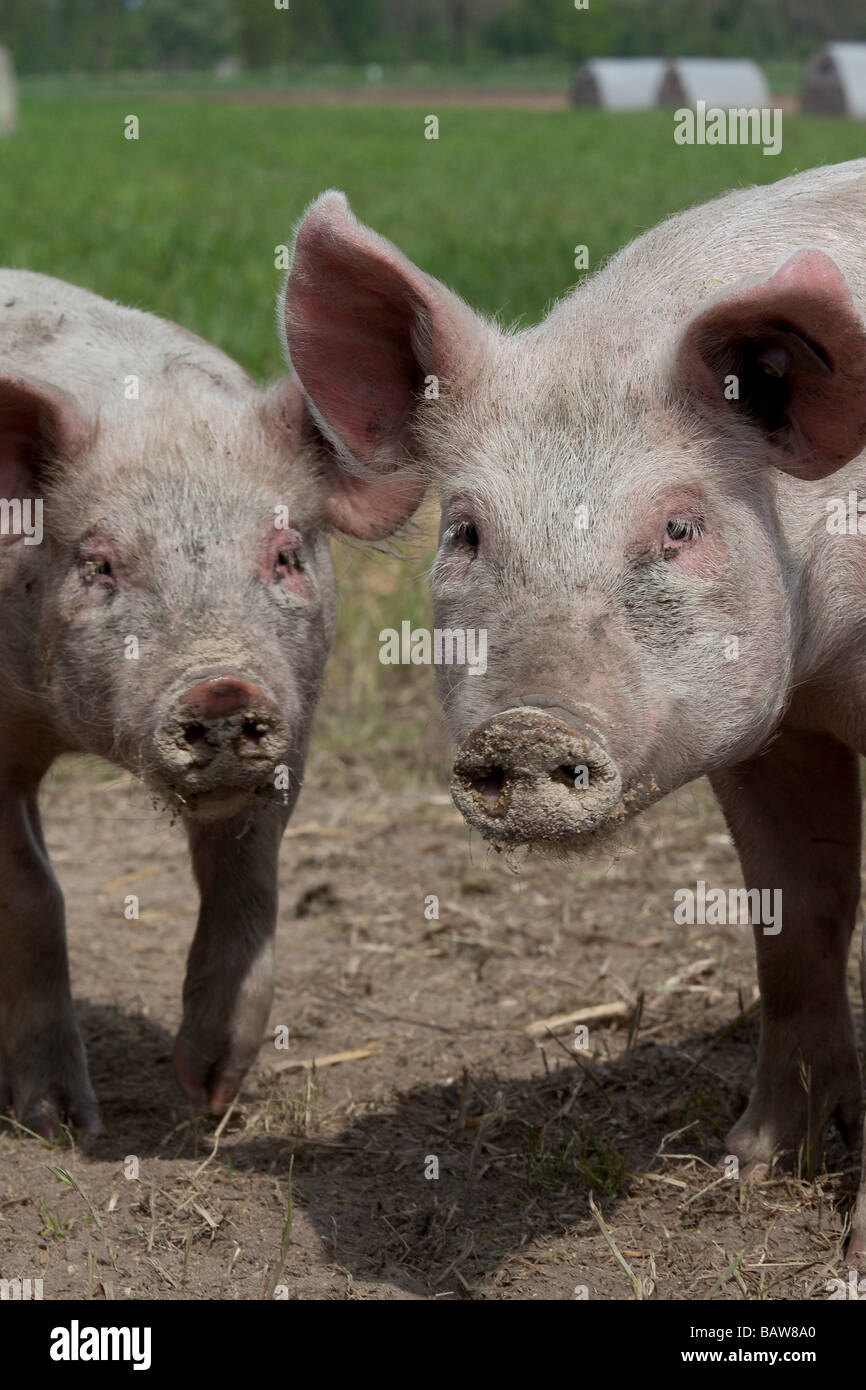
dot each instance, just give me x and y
(106, 35)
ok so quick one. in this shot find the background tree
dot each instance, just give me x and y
(103, 35)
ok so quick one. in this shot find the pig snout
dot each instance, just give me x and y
(221, 735)
(526, 776)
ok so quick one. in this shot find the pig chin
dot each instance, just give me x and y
(216, 801)
(217, 805)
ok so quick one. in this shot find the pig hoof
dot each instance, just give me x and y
(756, 1170)
(43, 1097)
(779, 1129)
(43, 1119)
(217, 1082)
(44, 1116)
(755, 1146)
(857, 1249)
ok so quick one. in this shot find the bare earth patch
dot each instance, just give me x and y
(556, 1174)
(517, 98)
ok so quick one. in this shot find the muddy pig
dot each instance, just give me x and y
(168, 604)
(645, 502)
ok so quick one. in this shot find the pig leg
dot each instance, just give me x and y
(229, 982)
(42, 1063)
(857, 1248)
(794, 814)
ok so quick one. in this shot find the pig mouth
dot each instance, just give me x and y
(526, 777)
(220, 802)
(213, 805)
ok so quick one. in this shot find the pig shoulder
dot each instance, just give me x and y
(666, 272)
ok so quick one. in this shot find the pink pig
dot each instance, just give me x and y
(637, 505)
(168, 603)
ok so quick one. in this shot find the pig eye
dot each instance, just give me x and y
(463, 534)
(96, 567)
(287, 561)
(680, 528)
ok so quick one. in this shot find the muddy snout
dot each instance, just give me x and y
(222, 735)
(524, 777)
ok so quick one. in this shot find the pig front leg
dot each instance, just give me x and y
(794, 814)
(857, 1248)
(229, 981)
(43, 1069)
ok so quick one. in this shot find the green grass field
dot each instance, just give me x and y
(185, 220)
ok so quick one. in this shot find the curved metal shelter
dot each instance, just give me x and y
(725, 82)
(834, 83)
(8, 93)
(618, 84)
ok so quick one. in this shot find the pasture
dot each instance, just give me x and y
(553, 1174)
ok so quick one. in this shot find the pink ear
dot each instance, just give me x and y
(369, 507)
(38, 422)
(373, 509)
(797, 348)
(364, 328)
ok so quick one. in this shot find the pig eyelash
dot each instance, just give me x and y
(462, 532)
(681, 528)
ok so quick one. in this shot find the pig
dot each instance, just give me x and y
(636, 503)
(168, 603)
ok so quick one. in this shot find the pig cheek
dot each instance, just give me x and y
(636, 707)
(67, 618)
(289, 661)
(464, 698)
(767, 641)
(709, 559)
(451, 690)
(76, 600)
(287, 685)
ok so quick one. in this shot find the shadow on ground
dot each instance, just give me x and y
(437, 1192)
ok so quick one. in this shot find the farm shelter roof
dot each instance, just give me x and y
(834, 82)
(618, 84)
(726, 82)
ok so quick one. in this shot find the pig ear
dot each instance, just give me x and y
(365, 329)
(38, 422)
(797, 349)
(369, 507)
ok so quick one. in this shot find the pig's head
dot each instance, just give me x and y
(182, 593)
(611, 493)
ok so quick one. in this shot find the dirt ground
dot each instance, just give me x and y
(383, 96)
(557, 1177)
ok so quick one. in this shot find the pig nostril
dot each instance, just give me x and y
(253, 731)
(194, 733)
(569, 776)
(526, 777)
(489, 783)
